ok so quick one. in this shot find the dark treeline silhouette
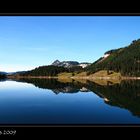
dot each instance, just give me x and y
(54, 85)
(50, 70)
(45, 71)
(2, 76)
(124, 60)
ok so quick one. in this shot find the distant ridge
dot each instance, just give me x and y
(69, 64)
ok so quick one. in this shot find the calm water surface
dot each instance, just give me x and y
(39, 101)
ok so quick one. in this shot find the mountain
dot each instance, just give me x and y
(123, 60)
(56, 63)
(2, 72)
(66, 64)
(69, 64)
(54, 69)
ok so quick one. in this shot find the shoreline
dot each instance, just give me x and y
(76, 77)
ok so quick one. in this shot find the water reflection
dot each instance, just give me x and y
(125, 94)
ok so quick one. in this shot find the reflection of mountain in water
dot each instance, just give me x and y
(124, 95)
(56, 86)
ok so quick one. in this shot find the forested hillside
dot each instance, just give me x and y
(50, 70)
(124, 60)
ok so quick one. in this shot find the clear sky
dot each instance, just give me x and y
(27, 42)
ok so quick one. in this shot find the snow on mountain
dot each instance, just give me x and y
(69, 64)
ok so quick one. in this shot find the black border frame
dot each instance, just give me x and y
(39, 129)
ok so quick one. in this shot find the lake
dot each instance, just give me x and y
(45, 102)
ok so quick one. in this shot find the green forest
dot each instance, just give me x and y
(124, 60)
(50, 70)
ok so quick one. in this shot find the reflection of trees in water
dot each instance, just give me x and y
(2, 76)
(2, 79)
(124, 95)
(54, 85)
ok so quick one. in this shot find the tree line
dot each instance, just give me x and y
(50, 70)
(2, 76)
(124, 60)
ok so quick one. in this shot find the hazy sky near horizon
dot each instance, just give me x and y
(27, 42)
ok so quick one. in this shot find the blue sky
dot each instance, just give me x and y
(27, 42)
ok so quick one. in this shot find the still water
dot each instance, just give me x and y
(42, 101)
